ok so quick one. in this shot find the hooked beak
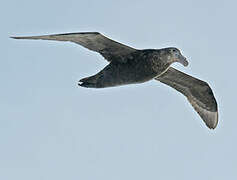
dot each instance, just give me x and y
(182, 60)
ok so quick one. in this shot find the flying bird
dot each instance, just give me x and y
(128, 66)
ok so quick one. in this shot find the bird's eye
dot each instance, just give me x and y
(174, 50)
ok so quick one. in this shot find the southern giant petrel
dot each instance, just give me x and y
(128, 65)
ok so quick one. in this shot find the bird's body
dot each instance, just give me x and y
(128, 66)
(140, 66)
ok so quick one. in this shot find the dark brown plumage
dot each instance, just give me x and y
(128, 65)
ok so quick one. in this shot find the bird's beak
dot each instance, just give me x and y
(182, 60)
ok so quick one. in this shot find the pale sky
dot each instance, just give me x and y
(52, 129)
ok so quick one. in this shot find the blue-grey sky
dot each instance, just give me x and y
(52, 129)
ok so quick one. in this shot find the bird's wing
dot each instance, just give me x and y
(108, 48)
(198, 93)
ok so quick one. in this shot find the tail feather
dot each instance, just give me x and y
(89, 82)
(87, 85)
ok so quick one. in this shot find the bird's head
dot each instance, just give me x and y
(173, 54)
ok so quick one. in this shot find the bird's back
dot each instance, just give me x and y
(137, 69)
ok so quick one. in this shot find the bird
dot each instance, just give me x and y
(128, 65)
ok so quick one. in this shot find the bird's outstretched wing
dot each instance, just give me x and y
(108, 48)
(198, 93)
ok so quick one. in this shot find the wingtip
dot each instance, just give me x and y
(214, 122)
(209, 117)
(20, 37)
(14, 37)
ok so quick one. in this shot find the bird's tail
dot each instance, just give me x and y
(89, 82)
